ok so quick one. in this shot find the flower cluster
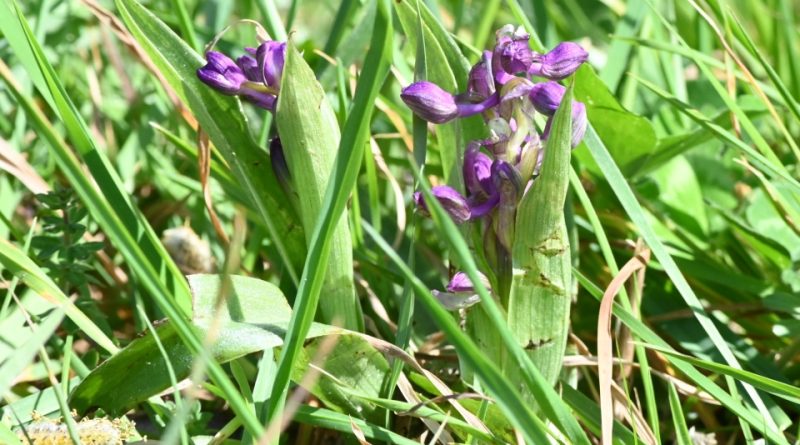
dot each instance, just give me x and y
(500, 88)
(498, 170)
(254, 77)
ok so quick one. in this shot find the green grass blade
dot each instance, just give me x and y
(647, 335)
(678, 420)
(634, 210)
(23, 356)
(780, 389)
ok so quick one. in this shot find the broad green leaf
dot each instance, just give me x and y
(679, 191)
(7, 436)
(539, 301)
(629, 138)
(252, 318)
(353, 373)
(310, 138)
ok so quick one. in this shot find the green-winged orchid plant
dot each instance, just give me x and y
(511, 87)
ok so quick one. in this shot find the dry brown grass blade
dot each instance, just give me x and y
(604, 342)
(204, 168)
(683, 387)
(362, 440)
(633, 416)
(407, 390)
(105, 16)
(18, 167)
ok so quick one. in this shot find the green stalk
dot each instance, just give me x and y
(310, 136)
(539, 301)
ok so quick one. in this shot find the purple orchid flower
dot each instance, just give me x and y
(546, 97)
(254, 79)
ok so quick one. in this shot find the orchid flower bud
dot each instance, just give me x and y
(430, 102)
(278, 161)
(515, 54)
(271, 56)
(546, 97)
(221, 73)
(453, 203)
(511, 53)
(559, 63)
(433, 104)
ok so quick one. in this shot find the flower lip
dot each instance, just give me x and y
(461, 283)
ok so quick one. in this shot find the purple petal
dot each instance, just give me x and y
(579, 124)
(271, 56)
(469, 109)
(559, 63)
(250, 68)
(259, 98)
(453, 203)
(481, 83)
(546, 97)
(221, 73)
(430, 102)
(461, 283)
(477, 171)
